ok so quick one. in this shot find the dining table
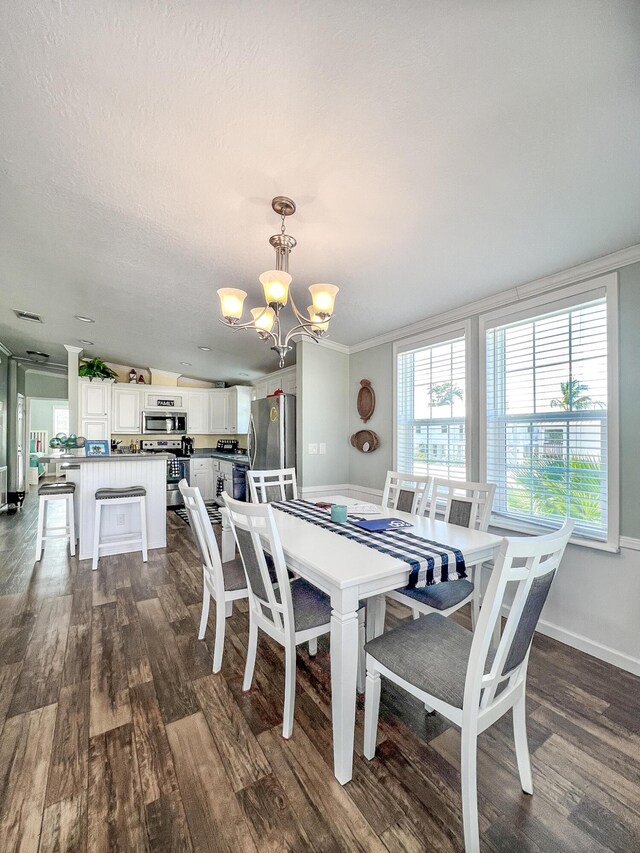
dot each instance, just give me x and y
(349, 573)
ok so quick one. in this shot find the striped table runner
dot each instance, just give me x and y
(430, 561)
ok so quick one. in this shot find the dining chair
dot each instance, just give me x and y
(289, 611)
(224, 582)
(459, 674)
(276, 485)
(405, 492)
(467, 505)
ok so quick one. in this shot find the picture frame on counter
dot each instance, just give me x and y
(96, 447)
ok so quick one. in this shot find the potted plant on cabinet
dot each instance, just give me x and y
(95, 368)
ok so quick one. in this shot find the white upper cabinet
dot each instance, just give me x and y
(283, 380)
(126, 400)
(198, 412)
(95, 398)
(106, 408)
(219, 411)
(239, 409)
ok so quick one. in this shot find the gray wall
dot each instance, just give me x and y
(4, 398)
(323, 388)
(630, 400)
(51, 386)
(594, 600)
(376, 365)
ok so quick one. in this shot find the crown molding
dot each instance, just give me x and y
(327, 343)
(574, 275)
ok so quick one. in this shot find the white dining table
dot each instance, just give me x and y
(350, 572)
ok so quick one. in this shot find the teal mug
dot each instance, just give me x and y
(339, 513)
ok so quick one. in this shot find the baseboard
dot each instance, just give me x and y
(584, 644)
(321, 491)
(630, 542)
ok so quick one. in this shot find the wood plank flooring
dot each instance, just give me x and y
(116, 736)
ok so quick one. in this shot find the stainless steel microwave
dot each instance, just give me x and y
(164, 422)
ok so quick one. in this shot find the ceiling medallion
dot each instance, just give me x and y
(276, 283)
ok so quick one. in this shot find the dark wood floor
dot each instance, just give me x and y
(116, 736)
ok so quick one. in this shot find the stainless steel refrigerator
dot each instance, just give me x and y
(272, 433)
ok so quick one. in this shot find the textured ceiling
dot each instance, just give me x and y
(438, 152)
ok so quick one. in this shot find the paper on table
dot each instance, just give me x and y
(364, 509)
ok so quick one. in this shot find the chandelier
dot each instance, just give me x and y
(266, 319)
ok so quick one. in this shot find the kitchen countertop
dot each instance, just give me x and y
(113, 457)
(241, 458)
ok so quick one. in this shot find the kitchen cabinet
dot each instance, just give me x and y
(95, 398)
(219, 411)
(198, 417)
(95, 429)
(203, 477)
(94, 416)
(105, 408)
(283, 380)
(126, 403)
(239, 409)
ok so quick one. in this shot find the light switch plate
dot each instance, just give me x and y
(313, 449)
(322, 447)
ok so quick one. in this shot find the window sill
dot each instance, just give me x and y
(499, 524)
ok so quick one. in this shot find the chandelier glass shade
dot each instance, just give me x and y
(276, 284)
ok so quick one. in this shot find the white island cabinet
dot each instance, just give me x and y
(123, 520)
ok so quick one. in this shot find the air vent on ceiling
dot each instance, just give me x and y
(28, 315)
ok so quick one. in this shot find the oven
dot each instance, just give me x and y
(164, 422)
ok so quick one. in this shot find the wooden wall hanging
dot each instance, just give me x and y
(366, 402)
(365, 440)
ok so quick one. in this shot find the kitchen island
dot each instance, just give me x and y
(91, 473)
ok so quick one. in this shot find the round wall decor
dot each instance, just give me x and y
(365, 440)
(366, 402)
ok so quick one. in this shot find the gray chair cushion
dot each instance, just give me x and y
(440, 596)
(234, 576)
(431, 653)
(311, 606)
(57, 489)
(127, 492)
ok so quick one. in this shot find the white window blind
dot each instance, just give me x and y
(430, 418)
(547, 418)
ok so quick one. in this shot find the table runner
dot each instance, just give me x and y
(426, 557)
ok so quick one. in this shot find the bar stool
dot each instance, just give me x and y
(126, 495)
(55, 492)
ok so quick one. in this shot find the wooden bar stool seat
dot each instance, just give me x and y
(120, 495)
(55, 492)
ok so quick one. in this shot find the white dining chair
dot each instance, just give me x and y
(459, 674)
(405, 492)
(466, 504)
(278, 484)
(224, 582)
(290, 612)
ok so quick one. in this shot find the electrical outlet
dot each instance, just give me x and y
(120, 519)
(313, 449)
(322, 447)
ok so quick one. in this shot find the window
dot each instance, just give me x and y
(547, 427)
(430, 415)
(61, 421)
